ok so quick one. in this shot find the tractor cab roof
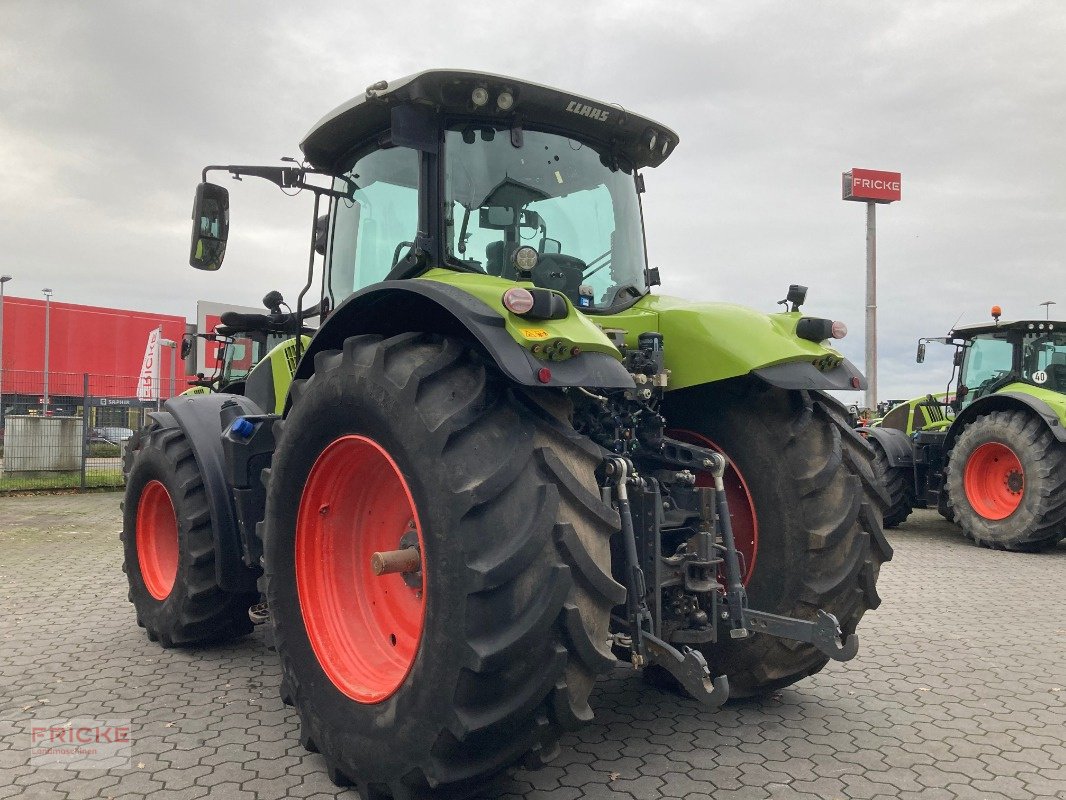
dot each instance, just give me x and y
(500, 101)
(1036, 325)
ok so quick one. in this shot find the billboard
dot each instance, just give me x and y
(872, 185)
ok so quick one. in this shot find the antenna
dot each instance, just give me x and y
(1047, 304)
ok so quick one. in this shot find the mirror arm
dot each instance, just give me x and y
(310, 277)
(282, 177)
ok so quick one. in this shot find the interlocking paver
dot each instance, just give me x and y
(959, 690)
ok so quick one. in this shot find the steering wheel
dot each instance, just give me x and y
(397, 251)
(989, 382)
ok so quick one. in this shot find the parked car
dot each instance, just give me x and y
(111, 435)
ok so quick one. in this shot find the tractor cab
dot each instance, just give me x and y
(473, 173)
(990, 357)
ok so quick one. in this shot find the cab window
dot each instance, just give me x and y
(374, 225)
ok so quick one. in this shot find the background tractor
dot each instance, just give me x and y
(503, 464)
(990, 452)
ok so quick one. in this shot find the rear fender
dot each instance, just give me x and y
(393, 307)
(895, 444)
(200, 418)
(1008, 401)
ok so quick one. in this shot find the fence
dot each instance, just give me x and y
(68, 430)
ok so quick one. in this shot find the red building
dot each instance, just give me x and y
(105, 343)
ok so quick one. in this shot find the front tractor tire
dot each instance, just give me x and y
(898, 483)
(1006, 482)
(429, 682)
(168, 547)
(812, 497)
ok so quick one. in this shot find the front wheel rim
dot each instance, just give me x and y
(994, 481)
(157, 540)
(365, 629)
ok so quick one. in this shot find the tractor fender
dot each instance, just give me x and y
(895, 444)
(393, 307)
(1006, 401)
(845, 376)
(200, 419)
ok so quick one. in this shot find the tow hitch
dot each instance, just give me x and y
(692, 573)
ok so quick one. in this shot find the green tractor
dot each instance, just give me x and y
(990, 452)
(248, 340)
(503, 465)
(260, 348)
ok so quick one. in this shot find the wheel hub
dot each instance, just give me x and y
(364, 625)
(157, 540)
(994, 481)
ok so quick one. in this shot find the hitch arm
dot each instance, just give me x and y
(824, 633)
(690, 668)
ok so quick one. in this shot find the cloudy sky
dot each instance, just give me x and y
(108, 110)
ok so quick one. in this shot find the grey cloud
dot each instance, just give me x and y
(109, 110)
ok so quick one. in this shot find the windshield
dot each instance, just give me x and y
(989, 357)
(553, 194)
(1044, 360)
(243, 353)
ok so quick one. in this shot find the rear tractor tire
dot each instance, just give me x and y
(428, 683)
(168, 547)
(898, 483)
(816, 506)
(1006, 482)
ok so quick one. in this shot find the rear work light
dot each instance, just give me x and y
(518, 300)
(818, 330)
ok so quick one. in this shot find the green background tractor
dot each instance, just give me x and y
(503, 465)
(991, 452)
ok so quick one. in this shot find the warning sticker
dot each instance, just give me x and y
(534, 333)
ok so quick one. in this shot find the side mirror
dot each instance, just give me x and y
(551, 247)
(210, 226)
(920, 358)
(186, 348)
(321, 234)
(959, 355)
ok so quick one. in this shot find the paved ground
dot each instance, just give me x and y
(959, 690)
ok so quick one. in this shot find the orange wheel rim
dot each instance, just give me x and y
(157, 540)
(994, 481)
(365, 629)
(741, 505)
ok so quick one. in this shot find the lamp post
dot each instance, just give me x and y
(47, 342)
(3, 279)
(173, 359)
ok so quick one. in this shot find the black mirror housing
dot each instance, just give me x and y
(920, 358)
(210, 226)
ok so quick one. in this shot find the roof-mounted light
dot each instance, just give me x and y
(505, 101)
(479, 96)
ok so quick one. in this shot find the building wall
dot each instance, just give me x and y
(83, 339)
